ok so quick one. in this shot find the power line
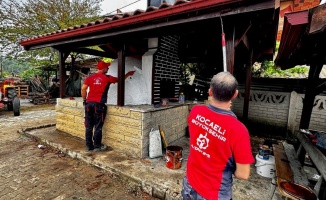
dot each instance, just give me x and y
(121, 7)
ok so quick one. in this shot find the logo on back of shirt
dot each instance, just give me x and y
(97, 81)
(202, 141)
(202, 144)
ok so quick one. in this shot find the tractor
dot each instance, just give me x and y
(8, 97)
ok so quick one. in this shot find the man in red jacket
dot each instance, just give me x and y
(95, 107)
(219, 144)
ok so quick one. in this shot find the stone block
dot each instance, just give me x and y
(114, 136)
(124, 130)
(136, 115)
(125, 121)
(65, 116)
(79, 120)
(123, 147)
(62, 122)
(59, 108)
(79, 104)
(73, 111)
(135, 142)
(66, 102)
(120, 111)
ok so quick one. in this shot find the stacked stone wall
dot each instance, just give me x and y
(125, 129)
(70, 117)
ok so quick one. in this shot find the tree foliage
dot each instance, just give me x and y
(25, 19)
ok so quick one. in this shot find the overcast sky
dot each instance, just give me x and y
(112, 5)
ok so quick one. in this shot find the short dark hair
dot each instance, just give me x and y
(223, 86)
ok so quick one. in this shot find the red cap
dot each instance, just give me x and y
(102, 65)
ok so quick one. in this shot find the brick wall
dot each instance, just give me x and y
(126, 129)
(166, 65)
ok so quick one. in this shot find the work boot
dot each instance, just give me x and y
(89, 148)
(102, 148)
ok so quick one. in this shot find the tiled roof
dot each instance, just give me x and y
(138, 16)
(115, 17)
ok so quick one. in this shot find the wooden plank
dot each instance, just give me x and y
(282, 166)
(314, 153)
(299, 174)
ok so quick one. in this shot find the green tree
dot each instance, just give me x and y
(24, 19)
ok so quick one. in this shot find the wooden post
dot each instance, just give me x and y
(245, 112)
(62, 73)
(310, 94)
(121, 76)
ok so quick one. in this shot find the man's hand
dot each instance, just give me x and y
(130, 73)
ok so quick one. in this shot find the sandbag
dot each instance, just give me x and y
(155, 144)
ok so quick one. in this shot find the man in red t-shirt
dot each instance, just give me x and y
(219, 144)
(95, 108)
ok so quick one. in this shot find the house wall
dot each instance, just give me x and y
(126, 129)
(166, 65)
(136, 87)
(304, 4)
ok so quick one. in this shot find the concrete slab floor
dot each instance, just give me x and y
(151, 175)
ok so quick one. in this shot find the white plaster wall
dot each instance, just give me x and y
(136, 87)
(147, 61)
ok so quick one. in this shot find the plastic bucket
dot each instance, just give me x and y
(265, 168)
(173, 157)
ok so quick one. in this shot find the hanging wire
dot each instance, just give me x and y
(121, 8)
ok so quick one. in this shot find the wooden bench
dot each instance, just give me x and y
(317, 158)
(290, 179)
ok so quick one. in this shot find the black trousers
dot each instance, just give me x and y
(94, 118)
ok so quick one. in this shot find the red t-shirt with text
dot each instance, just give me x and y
(218, 140)
(99, 84)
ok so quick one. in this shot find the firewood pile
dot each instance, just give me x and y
(39, 94)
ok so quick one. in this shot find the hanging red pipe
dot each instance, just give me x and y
(223, 47)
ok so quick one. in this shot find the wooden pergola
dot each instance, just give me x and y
(250, 28)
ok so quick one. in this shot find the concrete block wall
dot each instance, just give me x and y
(280, 109)
(166, 64)
(125, 129)
(265, 107)
(318, 115)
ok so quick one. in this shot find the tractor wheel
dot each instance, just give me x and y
(16, 106)
(12, 93)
